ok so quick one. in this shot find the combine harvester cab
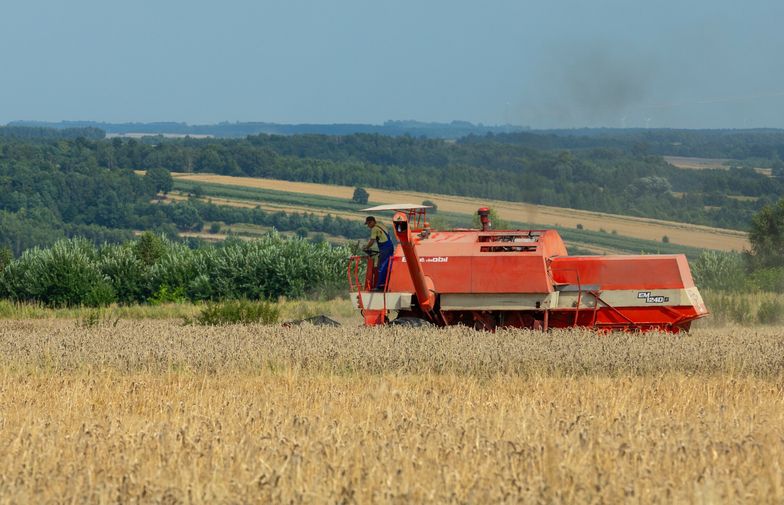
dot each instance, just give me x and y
(488, 279)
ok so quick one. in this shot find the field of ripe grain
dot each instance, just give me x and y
(162, 413)
(648, 229)
(694, 163)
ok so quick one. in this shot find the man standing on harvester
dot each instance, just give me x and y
(385, 250)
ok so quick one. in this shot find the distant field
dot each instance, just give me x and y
(691, 163)
(579, 241)
(263, 205)
(646, 229)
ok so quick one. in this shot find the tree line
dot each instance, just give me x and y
(598, 179)
(153, 269)
(86, 184)
(56, 189)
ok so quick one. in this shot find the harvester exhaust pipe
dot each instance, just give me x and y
(423, 285)
(484, 218)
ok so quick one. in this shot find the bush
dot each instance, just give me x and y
(6, 257)
(768, 279)
(720, 270)
(770, 312)
(156, 270)
(125, 271)
(165, 294)
(150, 247)
(66, 274)
(238, 312)
(360, 195)
(726, 308)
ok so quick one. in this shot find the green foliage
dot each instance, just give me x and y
(150, 248)
(197, 191)
(281, 221)
(770, 312)
(155, 270)
(94, 318)
(735, 308)
(66, 274)
(52, 187)
(215, 227)
(6, 256)
(166, 294)
(767, 236)
(238, 312)
(44, 133)
(186, 217)
(768, 279)
(360, 195)
(752, 307)
(761, 269)
(720, 270)
(431, 203)
(125, 271)
(160, 179)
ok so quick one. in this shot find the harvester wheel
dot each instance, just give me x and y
(414, 322)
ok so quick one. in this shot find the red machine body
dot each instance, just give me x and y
(521, 278)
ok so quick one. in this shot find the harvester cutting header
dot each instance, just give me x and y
(487, 279)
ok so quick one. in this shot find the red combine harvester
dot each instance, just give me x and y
(487, 279)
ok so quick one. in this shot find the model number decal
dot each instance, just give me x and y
(431, 259)
(649, 298)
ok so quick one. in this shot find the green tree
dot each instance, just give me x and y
(434, 209)
(360, 195)
(160, 179)
(186, 217)
(777, 166)
(767, 236)
(149, 248)
(6, 256)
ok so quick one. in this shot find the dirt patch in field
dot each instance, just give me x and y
(540, 215)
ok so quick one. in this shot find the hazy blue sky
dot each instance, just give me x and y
(550, 63)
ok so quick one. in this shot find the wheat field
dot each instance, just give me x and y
(157, 412)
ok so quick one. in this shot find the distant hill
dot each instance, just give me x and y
(452, 130)
(764, 145)
(761, 143)
(47, 133)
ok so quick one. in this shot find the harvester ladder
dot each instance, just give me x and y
(578, 306)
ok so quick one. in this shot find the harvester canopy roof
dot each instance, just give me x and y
(398, 206)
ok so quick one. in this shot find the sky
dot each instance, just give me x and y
(543, 64)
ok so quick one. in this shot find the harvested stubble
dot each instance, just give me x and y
(152, 411)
